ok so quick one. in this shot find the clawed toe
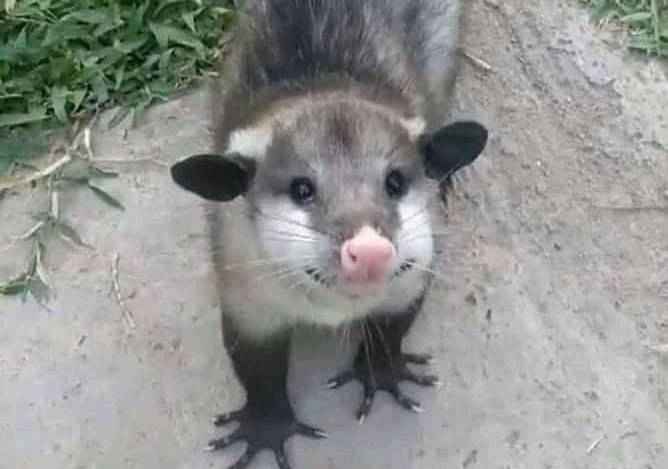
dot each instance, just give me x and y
(340, 380)
(422, 380)
(224, 419)
(221, 443)
(418, 359)
(262, 430)
(311, 432)
(365, 407)
(243, 461)
(386, 375)
(405, 401)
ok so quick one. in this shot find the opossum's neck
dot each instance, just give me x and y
(244, 109)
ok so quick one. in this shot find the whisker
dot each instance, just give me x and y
(271, 274)
(320, 276)
(435, 195)
(313, 285)
(282, 237)
(406, 225)
(425, 235)
(257, 211)
(305, 236)
(345, 336)
(266, 261)
(278, 274)
(290, 240)
(418, 212)
(290, 234)
(417, 230)
(436, 274)
(367, 352)
(407, 239)
(316, 271)
(416, 236)
(298, 283)
(386, 346)
(290, 221)
(372, 345)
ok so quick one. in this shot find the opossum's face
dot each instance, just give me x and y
(339, 198)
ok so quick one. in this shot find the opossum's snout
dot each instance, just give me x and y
(365, 261)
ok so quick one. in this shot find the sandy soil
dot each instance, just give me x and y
(554, 289)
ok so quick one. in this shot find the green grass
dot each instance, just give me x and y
(646, 20)
(63, 60)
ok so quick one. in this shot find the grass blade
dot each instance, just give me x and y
(7, 120)
(106, 197)
(68, 233)
(15, 286)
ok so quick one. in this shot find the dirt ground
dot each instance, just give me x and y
(554, 288)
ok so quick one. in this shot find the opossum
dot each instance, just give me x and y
(330, 144)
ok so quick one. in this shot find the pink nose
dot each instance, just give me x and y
(366, 256)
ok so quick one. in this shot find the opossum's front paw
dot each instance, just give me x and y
(262, 430)
(384, 373)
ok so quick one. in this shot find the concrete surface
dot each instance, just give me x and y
(576, 288)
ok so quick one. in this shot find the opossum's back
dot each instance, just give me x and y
(390, 42)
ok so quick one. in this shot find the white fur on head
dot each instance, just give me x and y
(414, 126)
(415, 240)
(280, 294)
(283, 229)
(251, 142)
(269, 296)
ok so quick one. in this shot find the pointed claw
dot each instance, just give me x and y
(365, 408)
(220, 443)
(281, 459)
(242, 462)
(417, 408)
(224, 419)
(427, 381)
(262, 431)
(340, 380)
(406, 401)
(311, 432)
(419, 359)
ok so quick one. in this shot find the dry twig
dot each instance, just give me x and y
(127, 314)
(477, 61)
(38, 175)
(660, 348)
(155, 161)
(634, 208)
(592, 447)
(87, 144)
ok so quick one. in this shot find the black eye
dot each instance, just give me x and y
(395, 184)
(302, 191)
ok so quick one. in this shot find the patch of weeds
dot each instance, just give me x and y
(73, 169)
(32, 280)
(66, 59)
(17, 149)
(646, 21)
(62, 62)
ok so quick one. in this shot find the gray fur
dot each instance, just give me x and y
(398, 52)
(331, 84)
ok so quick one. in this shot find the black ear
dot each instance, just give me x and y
(452, 147)
(214, 177)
